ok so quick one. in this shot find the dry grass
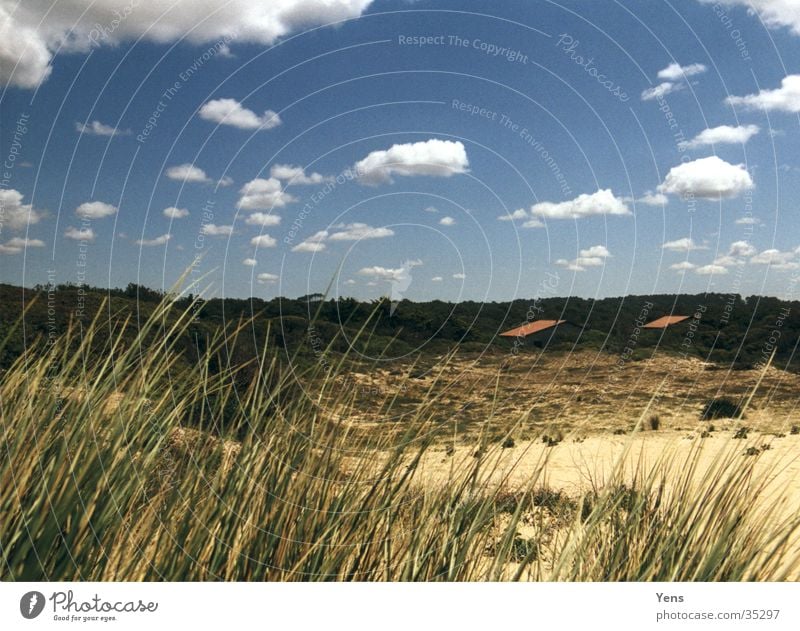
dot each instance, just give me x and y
(101, 480)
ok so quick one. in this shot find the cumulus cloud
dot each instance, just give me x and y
(33, 30)
(437, 279)
(447, 221)
(267, 279)
(15, 215)
(434, 157)
(661, 90)
(264, 194)
(187, 173)
(683, 266)
(82, 234)
(603, 202)
(518, 214)
(774, 13)
(231, 112)
(776, 259)
(314, 243)
(384, 273)
(172, 212)
(590, 257)
(357, 232)
(686, 244)
(653, 199)
(263, 219)
(741, 248)
(213, 230)
(18, 244)
(713, 269)
(154, 242)
(724, 134)
(459, 276)
(96, 128)
(224, 181)
(709, 178)
(296, 175)
(783, 99)
(747, 221)
(95, 210)
(675, 71)
(249, 262)
(263, 241)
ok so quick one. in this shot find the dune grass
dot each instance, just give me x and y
(103, 478)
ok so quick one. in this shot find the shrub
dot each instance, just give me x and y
(721, 408)
(508, 443)
(655, 422)
(741, 433)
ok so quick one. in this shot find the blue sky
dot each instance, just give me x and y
(423, 150)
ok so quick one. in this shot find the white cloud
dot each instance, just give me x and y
(231, 112)
(709, 178)
(96, 128)
(590, 257)
(683, 266)
(261, 194)
(774, 13)
(741, 248)
(661, 90)
(263, 241)
(727, 260)
(447, 221)
(724, 134)
(249, 262)
(747, 221)
(437, 279)
(686, 244)
(349, 281)
(675, 71)
(653, 199)
(172, 212)
(224, 181)
(603, 202)
(83, 234)
(213, 230)
(459, 276)
(783, 99)
(32, 31)
(263, 219)
(18, 244)
(431, 209)
(708, 270)
(533, 223)
(296, 175)
(384, 273)
(434, 157)
(153, 242)
(95, 210)
(775, 258)
(310, 246)
(518, 214)
(187, 173)
(267, 279)
(15, 215)
(358, 231)
(598, 251)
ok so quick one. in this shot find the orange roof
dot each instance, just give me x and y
(664, 321)
(532, 327)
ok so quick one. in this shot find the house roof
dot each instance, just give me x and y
(664, 321)
(531, 328)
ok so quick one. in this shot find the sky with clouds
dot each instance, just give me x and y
(452, 150)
